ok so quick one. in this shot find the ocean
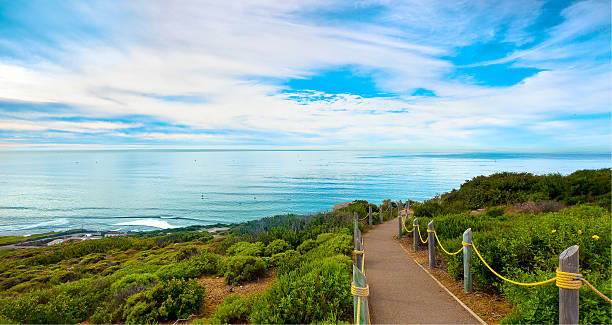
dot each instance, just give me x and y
(137, 190)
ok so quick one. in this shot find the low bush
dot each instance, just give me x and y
(286, 261)
(246, 249)
(526, 248)
(276, 246)
(181, 270)
(321, 294)
(234, 310)
(209, 263)
(307, 245)
(168, 300)
(243, 268)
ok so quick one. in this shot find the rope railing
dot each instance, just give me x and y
(566, 278)
(562, 279)
(359, 287)
(445, 251)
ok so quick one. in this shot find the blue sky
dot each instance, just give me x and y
(475, 75)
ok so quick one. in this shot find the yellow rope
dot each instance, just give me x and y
(596, 291)
(357, 252)
(567, 280)
(445, 251)
(404, 225)
(360, 291)
(363, 263)
(421, 238)
(506, 279)
(358, 307)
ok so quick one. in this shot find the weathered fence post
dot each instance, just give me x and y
(370, 215)
(360, 303)
(399, 225)
(380, 213)
(467, 257)
(568, 298)
(431, 245)
(359, 254)
(355, 229)
(415, 234)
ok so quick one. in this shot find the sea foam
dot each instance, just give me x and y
(147, 222)
(50, 223)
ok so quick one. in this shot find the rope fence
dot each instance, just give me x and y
(359, 287)
(566, 277)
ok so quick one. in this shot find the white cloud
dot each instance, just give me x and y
(67, 126)
(231, 54)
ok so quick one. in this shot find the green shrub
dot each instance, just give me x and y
(168, 300)
(132, 284)
(307, 245)
(209, 263)
(319, 292)
(67, 303)
(276, 246)
(181, 270)
(234, 310)
(526, 248)
(185, 253)
(241, 268)
(286, 262)
(246, 249)
(583, 186)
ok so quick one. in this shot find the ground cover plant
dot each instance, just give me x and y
(152, 277)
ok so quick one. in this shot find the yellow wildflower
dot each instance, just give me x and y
(595, 237)
(579, 232)
(554, 231)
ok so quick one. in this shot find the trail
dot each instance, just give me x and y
(400, 291)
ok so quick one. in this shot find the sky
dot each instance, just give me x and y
(431, 74)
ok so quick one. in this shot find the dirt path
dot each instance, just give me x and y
(400, 291)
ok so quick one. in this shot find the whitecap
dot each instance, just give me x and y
(147, 222)
(54, 222)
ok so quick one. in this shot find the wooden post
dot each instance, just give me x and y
(415, 234)
(467, 257)
(370, 215)
(355, 229)
(359, 256)
(431, 245)
(399, 226)
(568, 298)
(380, 213)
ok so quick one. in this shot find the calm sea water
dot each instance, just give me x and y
(44, 191)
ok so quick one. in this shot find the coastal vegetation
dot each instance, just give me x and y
(525, 222)
(545, 192)
(154, 277)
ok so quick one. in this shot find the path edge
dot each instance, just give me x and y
(445, 288)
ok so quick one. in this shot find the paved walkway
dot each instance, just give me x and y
(400, 291)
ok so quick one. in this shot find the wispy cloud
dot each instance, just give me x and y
(319, 73)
